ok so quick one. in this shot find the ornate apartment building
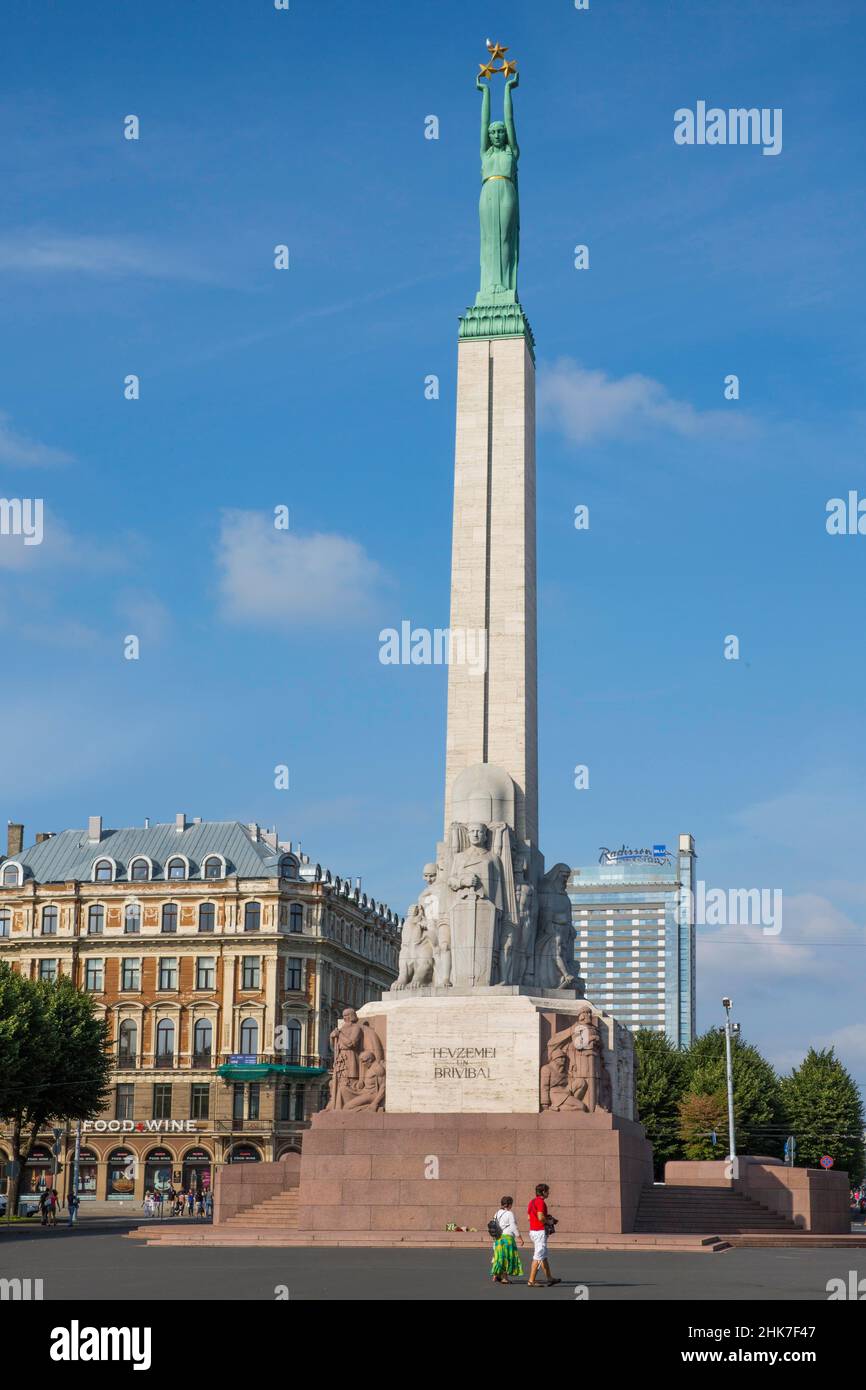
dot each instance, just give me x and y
(222, 959)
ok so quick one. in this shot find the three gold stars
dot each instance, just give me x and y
(509, 65)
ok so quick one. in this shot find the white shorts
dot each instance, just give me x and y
(539, 1245)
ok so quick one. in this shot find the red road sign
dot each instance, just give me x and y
(826, 1161)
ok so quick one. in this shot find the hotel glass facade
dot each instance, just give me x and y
(635, 940)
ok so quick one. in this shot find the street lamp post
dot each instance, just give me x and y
(731, 1030)
(75, 1175)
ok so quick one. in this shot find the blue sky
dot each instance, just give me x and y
(306, 388)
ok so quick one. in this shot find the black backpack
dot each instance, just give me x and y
(494, 1230)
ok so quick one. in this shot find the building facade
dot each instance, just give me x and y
(222, 959)
(633, 915)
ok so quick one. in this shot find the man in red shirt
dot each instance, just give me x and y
(541, 1223)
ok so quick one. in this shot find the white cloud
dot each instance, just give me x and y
(19, 451)
(145, 615)
(850, 1044)
(268, 575)
(815, 941)
(40, 253)
(61, 549)
(585, 404)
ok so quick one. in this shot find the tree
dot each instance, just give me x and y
(700, 1115)
(759, 1116)
(54, 1062)
(825, 1113)
(659, 1086)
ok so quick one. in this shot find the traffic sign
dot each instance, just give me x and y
(826, 1161)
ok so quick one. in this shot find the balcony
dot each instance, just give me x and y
(126, 1061)
(164, 1060)
(203, 1060)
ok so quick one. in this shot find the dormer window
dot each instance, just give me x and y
(288, 867)
(103, 871)
(214, 866)
(13, 875)
(140, 870)
(177, 868)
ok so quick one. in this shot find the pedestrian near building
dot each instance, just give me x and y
(506, 1260)
(541, 1226)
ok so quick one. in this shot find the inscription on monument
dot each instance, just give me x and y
(458, 1063)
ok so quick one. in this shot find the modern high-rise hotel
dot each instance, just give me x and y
(633, 916)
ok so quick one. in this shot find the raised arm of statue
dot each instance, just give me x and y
(509, 116)
(484, 89)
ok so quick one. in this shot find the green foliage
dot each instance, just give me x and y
(659, 1085)
(825, 1112)
(759, 1115)
(54, 1062)
(699, 1116)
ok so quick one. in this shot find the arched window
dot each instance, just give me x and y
(132, 918)
(139, 870)
(103, 871)
(203, 1040)
(214, 867)
(164, 1043)
(127, 1045)
(169, 917)
(296, 917)
(12, 876)
(206, 917)
(49, 921)
(95, 919)
(293, 1042)
(288, 867)
(5, 921)
(176, 868)
(250, 1037)
(252, 916)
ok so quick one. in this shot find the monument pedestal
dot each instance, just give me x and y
(420, 1173)
(488, 1092)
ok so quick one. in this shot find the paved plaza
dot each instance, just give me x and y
(97, 1262)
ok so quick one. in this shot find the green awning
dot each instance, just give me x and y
(262, 1071)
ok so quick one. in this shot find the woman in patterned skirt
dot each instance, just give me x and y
(506, 1260)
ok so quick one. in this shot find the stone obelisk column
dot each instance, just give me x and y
(492, 716)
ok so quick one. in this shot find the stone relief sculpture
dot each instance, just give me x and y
(416, 963)
(434, 905)
(576, 1068)
(555, 948)
(557, 1090)
(488, 914)
(358, 1079)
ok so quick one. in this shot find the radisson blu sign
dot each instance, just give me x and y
(659, 854)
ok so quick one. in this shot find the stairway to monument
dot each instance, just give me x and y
(705, 1210)
(279, 1212)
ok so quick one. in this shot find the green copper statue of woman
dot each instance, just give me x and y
(499, 207)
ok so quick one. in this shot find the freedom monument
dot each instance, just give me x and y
(484, 1070)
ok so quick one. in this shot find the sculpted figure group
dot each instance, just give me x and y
(575, 1077)
(483, 919)
(358, 1078)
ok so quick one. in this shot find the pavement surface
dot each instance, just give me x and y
(95, 1262)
